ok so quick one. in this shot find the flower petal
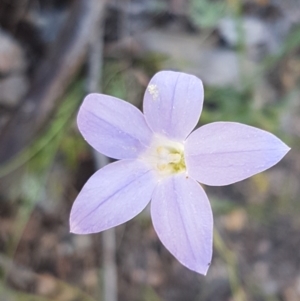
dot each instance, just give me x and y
(113, 127)
(112, 196)
(223, 153)
(173, 103)
(182, 218)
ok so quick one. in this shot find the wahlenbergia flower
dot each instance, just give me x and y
(162, 161)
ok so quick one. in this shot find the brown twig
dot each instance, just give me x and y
(110, 289)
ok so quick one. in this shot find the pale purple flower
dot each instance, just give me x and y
(162, 161)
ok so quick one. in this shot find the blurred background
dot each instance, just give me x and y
(54, 52)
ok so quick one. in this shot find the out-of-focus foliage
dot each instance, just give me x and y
(229, 104)
(207, 13)
(44, 148)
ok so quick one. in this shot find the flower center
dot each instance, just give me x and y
(170, 160)
(166, 156)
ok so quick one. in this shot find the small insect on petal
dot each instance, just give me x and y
(153, 90)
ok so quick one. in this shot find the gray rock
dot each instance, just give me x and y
(253, 32)
(289, 8)
(261, 273)
(12, 57)
(220, 67)
(290, 118)
(12, 89)
(48, 22)
(194, 54)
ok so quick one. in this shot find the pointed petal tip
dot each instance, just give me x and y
(205, 272)
(283, 150)
(74, 229)
(199, 267)
(78, 230)
(202, 270)
(287, 148)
